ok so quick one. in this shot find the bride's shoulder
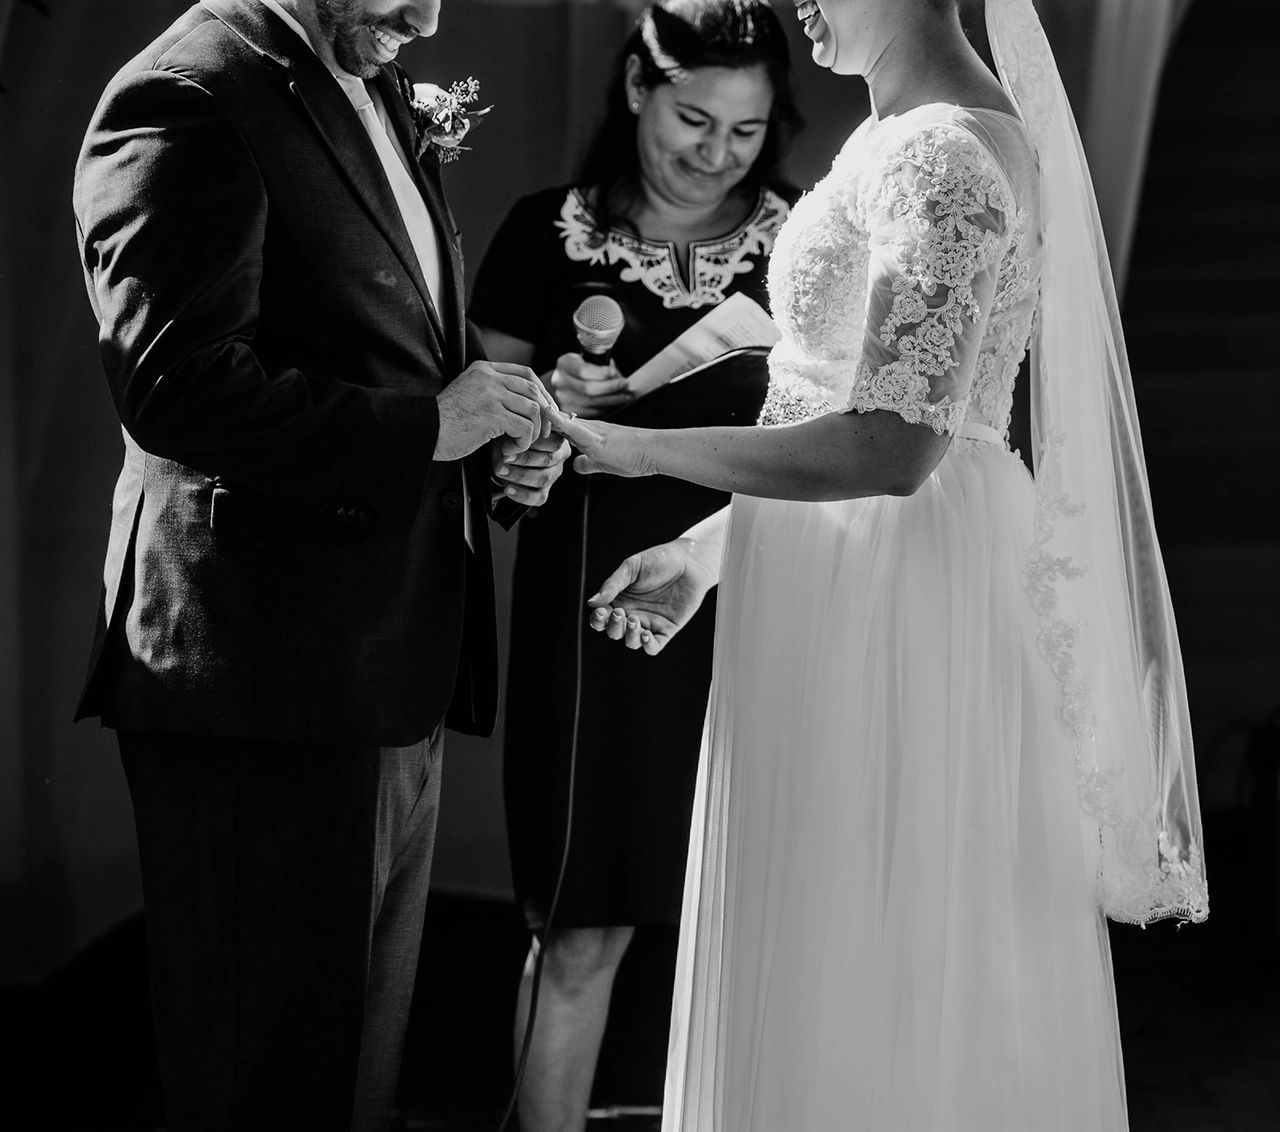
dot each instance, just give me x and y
(946, 122)
(997, 131)
(853, 145)
(943, 138)
(921, 138)
(941, 154)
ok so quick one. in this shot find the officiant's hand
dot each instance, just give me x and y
(488, 400)
(616, 449)
(587, 390)
(649, 598)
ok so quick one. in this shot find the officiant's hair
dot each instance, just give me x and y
(676, 36)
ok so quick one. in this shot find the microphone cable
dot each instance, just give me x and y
(536, 982)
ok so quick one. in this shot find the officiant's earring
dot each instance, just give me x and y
(635, 106)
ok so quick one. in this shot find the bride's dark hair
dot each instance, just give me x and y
(684, 35)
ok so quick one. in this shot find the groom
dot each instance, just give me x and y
(298, 585)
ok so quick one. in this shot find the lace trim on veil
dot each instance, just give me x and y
(1138, 789)
(1157, 886)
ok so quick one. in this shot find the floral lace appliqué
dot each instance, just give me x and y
(901, 388)
(937, 189)
(713, 264)
(904, 226)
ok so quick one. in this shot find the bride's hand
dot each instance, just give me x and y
(649, 598)
(615, 449)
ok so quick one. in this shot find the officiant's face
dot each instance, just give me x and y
(367, 34)
(697, 139)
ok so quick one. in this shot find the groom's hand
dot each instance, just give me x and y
(486, 401)
(526, 476)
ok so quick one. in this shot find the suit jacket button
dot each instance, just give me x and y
(451, 501)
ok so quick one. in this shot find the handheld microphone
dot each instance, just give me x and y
(598, 322)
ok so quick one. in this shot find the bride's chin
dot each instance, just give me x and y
(824, 49)
(826, 55)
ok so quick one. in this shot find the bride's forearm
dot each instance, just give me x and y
(706, 540)
(837, 456)
(711, 530)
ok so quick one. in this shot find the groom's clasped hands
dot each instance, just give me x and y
(506, 403)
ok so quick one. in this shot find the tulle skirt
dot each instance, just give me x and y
(890, 922)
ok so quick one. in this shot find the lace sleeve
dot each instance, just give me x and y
(939, 216)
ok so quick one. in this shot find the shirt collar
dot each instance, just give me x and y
(274, 5)
(353, 87)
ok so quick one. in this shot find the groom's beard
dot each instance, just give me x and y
(346, 24)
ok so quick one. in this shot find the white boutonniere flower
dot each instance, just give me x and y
(441, 118)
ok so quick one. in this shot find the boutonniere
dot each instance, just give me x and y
(441, 118)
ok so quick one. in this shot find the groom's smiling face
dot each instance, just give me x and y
(366, 34)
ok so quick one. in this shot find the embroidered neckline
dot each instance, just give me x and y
(713, 264)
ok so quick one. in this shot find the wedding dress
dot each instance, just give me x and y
(891, 916)
(888, 916)
(947, 732)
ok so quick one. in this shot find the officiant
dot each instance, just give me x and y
(674, 209)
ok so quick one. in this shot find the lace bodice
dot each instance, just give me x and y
(907, 279)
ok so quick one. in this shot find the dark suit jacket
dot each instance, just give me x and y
(285, 559)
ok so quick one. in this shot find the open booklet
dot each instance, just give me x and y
(737, 323)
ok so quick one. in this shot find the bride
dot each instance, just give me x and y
(947, 732)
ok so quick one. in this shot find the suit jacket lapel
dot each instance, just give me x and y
(395, 88)
(339, 127)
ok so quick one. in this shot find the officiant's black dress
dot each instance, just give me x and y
(641, 717)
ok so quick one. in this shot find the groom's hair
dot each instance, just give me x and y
(676, 36)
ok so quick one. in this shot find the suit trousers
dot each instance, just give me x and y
(285, 886)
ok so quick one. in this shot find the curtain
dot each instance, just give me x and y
(6, 11)
(1131, 40)
(11, 824)
(67, 862)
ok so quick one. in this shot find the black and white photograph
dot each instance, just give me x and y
(639, 565)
